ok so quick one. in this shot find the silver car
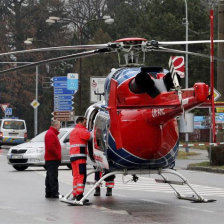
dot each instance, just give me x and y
(32, 153)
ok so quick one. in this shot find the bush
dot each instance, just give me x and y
(217, 155)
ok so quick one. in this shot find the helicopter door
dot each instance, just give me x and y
(90, 115)
(100, 138)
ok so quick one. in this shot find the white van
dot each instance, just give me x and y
(12, 131)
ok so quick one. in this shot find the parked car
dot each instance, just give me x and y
(12, 131)
(32, 153)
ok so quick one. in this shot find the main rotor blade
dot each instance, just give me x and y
(164, 43)
(62, 58)
(163, 49)
(61, 48)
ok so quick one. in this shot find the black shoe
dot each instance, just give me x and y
(79, 197)
(55, 196)
(47, 196)
(97, 192)
(109, 192)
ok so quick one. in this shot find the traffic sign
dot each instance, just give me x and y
(63, 113)
(60, 84)
(35, 104)
(4, 106)
(64, 118)
(61, 91)
(97, 89)
(8, 111)
(217, 95)
(59, 79)
(72, 81)
(63, 103)
(63, 97)
(62, 108)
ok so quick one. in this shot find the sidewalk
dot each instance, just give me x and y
(201, 157)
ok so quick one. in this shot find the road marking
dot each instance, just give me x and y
(150, 185)
(154, 201)
(147, 184)
(104, 209)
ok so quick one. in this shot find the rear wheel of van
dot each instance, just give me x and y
(20, 168)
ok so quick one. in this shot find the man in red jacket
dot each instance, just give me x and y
(78, 154)
(52, 159)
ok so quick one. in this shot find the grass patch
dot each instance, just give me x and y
(205, 164)
(185, 155)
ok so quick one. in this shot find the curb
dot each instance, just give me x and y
(206, 169)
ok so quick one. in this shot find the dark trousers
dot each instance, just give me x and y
(51, 181)
(98, 175)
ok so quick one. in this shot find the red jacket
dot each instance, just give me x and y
(78, 142)
(52, 145)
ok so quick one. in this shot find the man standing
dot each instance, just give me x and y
(78, 154)
(52, 159)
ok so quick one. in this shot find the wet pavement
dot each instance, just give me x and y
(22, 199)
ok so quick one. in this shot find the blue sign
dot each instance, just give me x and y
(8, 111)
(63, 97)
(72, 84)
(63, 108)
(60, 91)
(72, 81)
(60, 84)
(60, 79)
(63, 103)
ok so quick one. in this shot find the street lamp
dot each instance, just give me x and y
(53, 19)
(30, 41)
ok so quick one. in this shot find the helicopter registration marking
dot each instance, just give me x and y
(157, 112)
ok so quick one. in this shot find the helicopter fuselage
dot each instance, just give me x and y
(137, 127)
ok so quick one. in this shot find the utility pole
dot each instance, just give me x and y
(36, 109)
(186, 67)
(220, 65)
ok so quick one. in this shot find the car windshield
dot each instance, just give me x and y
(18, 125)
(40, 137)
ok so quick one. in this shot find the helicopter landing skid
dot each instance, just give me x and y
(67, 198)
(197, 198)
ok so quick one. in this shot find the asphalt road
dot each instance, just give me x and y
(22, 200)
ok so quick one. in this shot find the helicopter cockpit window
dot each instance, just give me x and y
(100, 135)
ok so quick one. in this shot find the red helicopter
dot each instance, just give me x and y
(135, 129)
